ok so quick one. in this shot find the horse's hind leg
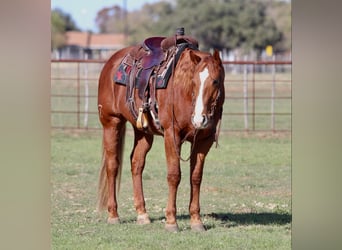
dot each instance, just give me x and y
(142, 144)
(113, 136)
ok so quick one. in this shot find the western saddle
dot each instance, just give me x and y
(148, 67)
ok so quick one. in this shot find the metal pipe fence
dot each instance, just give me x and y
(258, 95)
(264, 91)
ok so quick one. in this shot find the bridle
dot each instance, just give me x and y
(210, 116)
(214, 105)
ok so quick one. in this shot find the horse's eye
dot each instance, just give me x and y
(215, 82)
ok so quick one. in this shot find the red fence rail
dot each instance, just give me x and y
(258, 95)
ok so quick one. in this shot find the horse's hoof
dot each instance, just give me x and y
(172, 228)
(143, 219)
(197, 227)
(115, 220)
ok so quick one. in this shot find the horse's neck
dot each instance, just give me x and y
(183, 77)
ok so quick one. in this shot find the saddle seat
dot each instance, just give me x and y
(154, 54)
(157, 46)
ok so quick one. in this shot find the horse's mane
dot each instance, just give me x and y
(185, 69)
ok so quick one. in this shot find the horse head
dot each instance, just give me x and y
(208, 90)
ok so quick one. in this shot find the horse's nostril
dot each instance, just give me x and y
(200, 123)
(205, 120)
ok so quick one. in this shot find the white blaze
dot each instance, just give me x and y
(198, 118)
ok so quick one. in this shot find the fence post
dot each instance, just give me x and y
(78, 95)
(273, 95)
(245, 93)
(253, 97)
(86, 93)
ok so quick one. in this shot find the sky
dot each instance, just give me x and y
(83, 12)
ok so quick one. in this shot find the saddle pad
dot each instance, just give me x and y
(122, 76)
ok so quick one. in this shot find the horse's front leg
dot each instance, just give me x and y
(196, 172)
(172, 149)
(142, 144)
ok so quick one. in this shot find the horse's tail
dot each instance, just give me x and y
(102, 194)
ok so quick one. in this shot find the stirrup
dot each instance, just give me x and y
(142, 122)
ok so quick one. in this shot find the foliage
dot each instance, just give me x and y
(150, 21)
(111, 19)
(221, 24)
(225, 24)
(280, 13)
(60, 23)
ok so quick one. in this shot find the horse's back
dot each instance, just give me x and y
(109, 93)
(111, 64)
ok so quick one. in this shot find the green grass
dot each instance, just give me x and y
(245, 198)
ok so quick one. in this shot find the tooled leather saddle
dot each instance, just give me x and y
(148, 67)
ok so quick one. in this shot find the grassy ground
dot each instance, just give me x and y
(245, 198)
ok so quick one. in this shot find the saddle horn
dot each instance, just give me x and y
(178, 38)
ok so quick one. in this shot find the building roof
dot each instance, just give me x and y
(95, 41)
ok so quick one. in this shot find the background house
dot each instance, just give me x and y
(87, 45)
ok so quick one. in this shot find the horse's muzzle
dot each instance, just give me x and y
(201, 122)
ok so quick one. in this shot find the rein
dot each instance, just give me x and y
(192, 146)
(211, 115)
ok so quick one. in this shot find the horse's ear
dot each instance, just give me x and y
(194, 58)
(217, 55)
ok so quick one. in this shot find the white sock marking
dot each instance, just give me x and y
(198, 118)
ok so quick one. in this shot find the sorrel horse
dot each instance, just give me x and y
(189, 109)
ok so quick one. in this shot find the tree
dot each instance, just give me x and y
(225, 24)
(60, 23)
(111, 19)
(280, 13)
(151, 20)
(222, 24)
